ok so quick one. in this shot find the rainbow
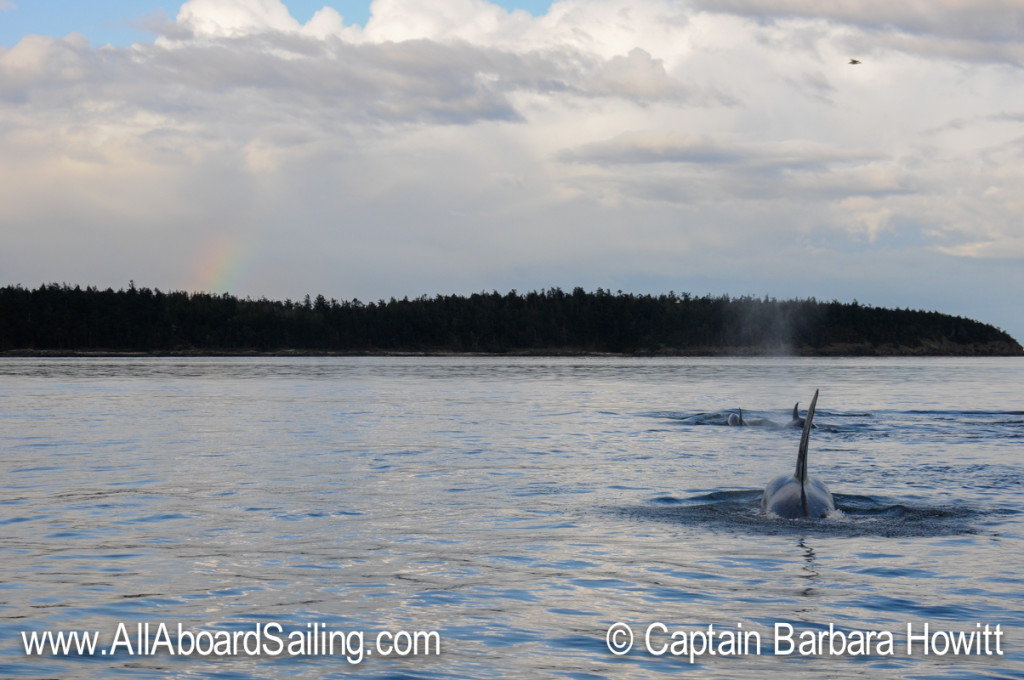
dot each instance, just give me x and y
(222, 265)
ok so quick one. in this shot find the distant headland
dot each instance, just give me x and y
(59, 319)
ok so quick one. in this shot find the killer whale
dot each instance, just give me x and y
(796, 420)
(799, 494)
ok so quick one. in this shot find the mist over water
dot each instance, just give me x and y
(519, 507)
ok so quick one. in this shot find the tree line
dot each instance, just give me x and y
(62, 318)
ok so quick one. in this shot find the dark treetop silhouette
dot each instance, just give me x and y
(61, 318)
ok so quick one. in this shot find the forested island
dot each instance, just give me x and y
(60, 319)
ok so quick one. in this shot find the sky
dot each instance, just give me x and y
(410, 147)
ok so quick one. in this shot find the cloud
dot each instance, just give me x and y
(474, 21)
(255, 58)
(977, 20)
(990, 30)
(233, 18)
(637, 76)
(704, 149)
(459, 146)
(7, 5)
(1011, 248)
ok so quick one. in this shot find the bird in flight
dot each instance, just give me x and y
(855, 61)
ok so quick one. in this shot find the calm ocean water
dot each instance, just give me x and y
(517, 507)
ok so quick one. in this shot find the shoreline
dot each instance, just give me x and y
(857, 351)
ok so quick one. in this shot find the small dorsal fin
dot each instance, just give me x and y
(801, 456)
(796, 410)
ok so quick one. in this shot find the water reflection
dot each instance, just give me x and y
(810, 567)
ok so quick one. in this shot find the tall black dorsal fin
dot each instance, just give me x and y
(801, 456)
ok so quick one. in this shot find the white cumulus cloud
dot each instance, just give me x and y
(232, 18)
